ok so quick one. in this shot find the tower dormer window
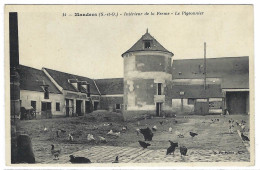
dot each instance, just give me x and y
(147, 44)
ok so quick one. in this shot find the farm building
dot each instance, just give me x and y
(37, 91)
(156, 84)
(80, 93)
(111, 91)
(153, 83)
(231, 73)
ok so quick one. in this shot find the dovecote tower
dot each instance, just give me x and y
(147, 73)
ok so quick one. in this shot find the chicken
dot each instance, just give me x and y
(55, 152)
(45, 129)
(124, 128)
(70, 138)
(193, 134)
(113, 133)
(116, 160)
(117, 134)
(244, 138)
(154, 128)
(74, 159)
(147, 133)
(170, 129)
(171, 149)
(90, 137)
(110, 132)
(183, 150)
(102, 139)
(143, 144)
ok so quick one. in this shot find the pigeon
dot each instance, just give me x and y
(74, 159)
(193, 134)
(143, 144)
(116, 160)
(183, 150)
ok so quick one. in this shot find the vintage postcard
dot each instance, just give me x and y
(121, 85)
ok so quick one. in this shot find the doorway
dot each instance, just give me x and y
(78, 107)
(158, 109)
(96, 105)
(46, 110)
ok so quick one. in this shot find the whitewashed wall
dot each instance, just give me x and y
(27, 96)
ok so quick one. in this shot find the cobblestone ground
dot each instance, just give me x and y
(213, 144)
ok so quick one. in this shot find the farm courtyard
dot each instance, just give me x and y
(214, 142)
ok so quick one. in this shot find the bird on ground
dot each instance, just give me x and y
(154, 128)
(74, 159)
(124, 128)
(244, 138)
(102, 139)
(170, 129)
(183, 150)
(90, 137)
(117, 134)
(116, 160)
(171, 149)
(70, 138)
(45, 129)
(147, 133)
(143, 144)
(181, 136)
(161, 122)
(193, 134)
(110, 132)
(55, 152)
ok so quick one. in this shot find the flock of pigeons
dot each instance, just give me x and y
(148, 136)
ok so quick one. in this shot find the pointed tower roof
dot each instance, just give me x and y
(154, 45)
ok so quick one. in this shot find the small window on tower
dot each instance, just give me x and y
(147, 44)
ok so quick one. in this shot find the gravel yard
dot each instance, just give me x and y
(214, 142)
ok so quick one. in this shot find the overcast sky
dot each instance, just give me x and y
(92, 46)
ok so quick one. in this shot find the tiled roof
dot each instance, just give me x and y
(195, 91)
(139, 45)
(32, 79)
(110, 86)
(62, 80)
(233, 71)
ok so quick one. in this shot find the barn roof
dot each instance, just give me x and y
(195, 91)
(32, 79)
(233, 71)
(139, 45)
(62, 80)
(110, 86)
